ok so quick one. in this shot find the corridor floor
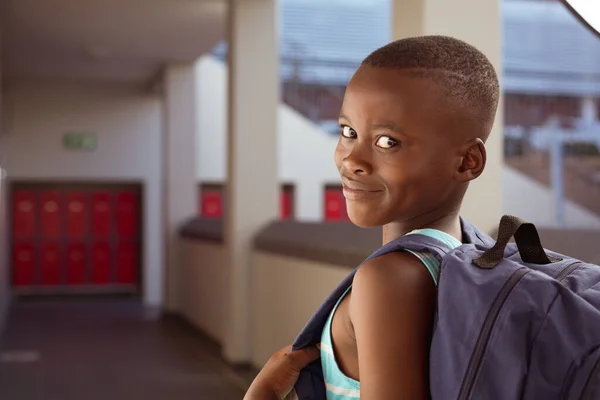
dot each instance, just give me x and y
(98, 349)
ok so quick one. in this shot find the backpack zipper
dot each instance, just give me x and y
(486, 330)
(587, 389)
(568, 270)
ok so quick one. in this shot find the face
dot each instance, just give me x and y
(398, 155)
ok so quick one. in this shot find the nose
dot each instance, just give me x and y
(357, 161)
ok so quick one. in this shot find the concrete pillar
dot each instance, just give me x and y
(252, 185)
(478, 22)
(309, 201)
(180, 182)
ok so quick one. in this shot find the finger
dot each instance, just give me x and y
(301, 358)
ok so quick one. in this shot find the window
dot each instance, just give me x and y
(551, 97)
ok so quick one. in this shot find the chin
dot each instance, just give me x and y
(365, 219)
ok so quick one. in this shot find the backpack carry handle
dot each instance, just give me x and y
(527, 239)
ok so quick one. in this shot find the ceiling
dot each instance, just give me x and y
(110, 40)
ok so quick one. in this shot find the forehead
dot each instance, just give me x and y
(375, 94)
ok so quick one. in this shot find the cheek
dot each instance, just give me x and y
(415, 177)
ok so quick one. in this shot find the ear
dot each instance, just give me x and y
(472, 161)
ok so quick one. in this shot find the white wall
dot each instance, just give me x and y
(306, 160)
(280, 311)
(128, 126)
(305, 153)
(534, 202)
(203, 285)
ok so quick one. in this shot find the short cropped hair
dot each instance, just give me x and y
(464, 73)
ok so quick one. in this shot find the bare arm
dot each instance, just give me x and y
(392, 307)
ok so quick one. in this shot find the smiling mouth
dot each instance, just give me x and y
(359, 194)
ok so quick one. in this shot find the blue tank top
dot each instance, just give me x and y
(340, 386)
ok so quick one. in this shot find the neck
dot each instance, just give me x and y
(449, 223)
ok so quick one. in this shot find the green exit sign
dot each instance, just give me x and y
(80, 141)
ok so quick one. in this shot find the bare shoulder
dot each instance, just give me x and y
(400, 271)
(394, 289)
(391, 310)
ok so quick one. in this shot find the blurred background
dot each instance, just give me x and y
(170, 213)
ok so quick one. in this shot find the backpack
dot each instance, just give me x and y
(513, 321)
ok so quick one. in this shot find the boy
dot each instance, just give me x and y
(414, 121)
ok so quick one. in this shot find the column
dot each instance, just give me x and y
(478, 22)
(180, 182)
(252, 186)
(310, 194)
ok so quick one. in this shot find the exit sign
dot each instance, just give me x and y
(80, 141)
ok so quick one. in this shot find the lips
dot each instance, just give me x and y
(354, 190)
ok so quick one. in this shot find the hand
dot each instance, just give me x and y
(280, 373)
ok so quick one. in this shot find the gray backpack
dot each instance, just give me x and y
(515, 321)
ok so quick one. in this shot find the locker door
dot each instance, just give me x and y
(102, 215)
(77, 215)
(51, 214)
(23, 261)
(76, 261)
(127, 262)
(101, 263)
(127, 214)
(212, 204)
(285, 204)
(24, 214)
(335, 205)
(50, 261)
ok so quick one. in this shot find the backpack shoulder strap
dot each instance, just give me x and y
(472, 235)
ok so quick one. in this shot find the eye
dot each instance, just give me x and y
(386, 142)
(348, 132)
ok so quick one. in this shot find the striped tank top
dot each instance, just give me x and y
(340, 386)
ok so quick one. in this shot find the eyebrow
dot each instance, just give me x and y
(390, 126)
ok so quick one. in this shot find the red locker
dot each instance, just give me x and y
(76, 260)
(23, 261)
(285, 205)
(335, 205)
(50, 214)
(127, 262)
(212, 204)
(50, 262)
(76, 237)
(24, 214)
(101, 263)
(102, 214)
(77, 213)
(127, 214)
